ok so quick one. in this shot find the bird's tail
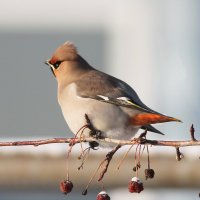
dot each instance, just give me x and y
(143, 119)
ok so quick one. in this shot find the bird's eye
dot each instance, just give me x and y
(56, 65)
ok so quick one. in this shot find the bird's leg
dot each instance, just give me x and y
(94, 133)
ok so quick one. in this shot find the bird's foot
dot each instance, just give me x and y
(96, 134)
(94, 145)
(93, 132)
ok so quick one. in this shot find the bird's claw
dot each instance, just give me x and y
(96, 134)
(94, 145)
(93, 132)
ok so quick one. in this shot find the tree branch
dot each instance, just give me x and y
(141, 140)
(183, 143)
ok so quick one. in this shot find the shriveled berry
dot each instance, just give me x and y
(84, 192)
(149, 173)
(135, 185)
(103, 196)
(66, 186)
(135, 168)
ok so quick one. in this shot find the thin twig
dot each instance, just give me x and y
(71, 144)
(108, 156)
(148, 157)
(192, 130)
(184, 143)
(124, 156)
(84, 157)
(107, 161)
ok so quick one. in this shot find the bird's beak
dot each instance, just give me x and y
(51, 66)
(47, 62)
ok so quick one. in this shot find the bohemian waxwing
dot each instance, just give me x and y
(111, 105)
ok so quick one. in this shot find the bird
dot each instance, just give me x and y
(89, 96)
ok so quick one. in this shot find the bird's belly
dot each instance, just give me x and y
(110, 119)
(103, 116)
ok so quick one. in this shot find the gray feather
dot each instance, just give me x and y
(95, 83)
(151, 129)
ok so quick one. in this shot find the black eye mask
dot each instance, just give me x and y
(57, 64)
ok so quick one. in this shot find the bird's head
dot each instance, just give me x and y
(63, 58)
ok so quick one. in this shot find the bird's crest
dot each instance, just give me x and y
(65, 52)
(69, 47)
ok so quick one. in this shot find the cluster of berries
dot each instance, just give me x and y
(134, 186)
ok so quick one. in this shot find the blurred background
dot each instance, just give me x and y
(152, 45)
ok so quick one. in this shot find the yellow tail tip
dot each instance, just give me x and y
(176, 120)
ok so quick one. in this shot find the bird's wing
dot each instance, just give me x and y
(102, 87)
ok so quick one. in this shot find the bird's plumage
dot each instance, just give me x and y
(112, 105)
(109, 89)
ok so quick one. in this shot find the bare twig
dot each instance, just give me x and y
(192, 130)
(140, 140)
(91, 139)
(40, 142)
(107, 161)
(124, 156)
(84, 156)
(148, 157)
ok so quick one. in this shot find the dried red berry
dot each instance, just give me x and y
(103, 196)
(149, 173)
(135, 185)
(66, 186)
